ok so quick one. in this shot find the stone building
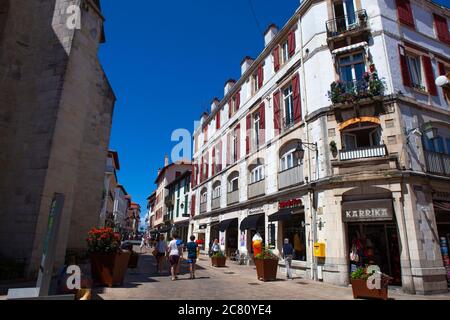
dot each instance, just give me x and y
(336, 134)
(56, 108)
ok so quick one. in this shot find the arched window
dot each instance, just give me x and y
(217, 190)
(204, 195)
(233, 182)
(288, 158)
(256, 171)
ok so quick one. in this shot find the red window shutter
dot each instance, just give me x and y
(219, 161)
(276, 58)
(218, 120)
(230, 108)
(228, 149)
(404, 66)
(202, 168)
(248, 134)
(213, 168)
(207, 166)
(441, 26)
(276, 111)
(260, 76)
(238, 100)
(291, 42)
(429, 75)
(405, 14)
(296, 96)
(262, 124)
(193, 203)
(193, 173)
(441, 69)
(238, 139)
(205, 134)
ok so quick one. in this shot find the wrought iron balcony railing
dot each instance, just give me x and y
(340, 25)
(362, 153)
(438, 163)
(351, 91)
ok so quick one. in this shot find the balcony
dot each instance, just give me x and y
(215, 203)
(437, 163)
(362, 153)
(202, 207)
(233, 197)
(350, 92)
(347, 25)
(290, 177)
(257, 189)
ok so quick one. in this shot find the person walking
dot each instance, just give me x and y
(160, 252)
(174, 251)
(142, 246)
(192, 256)
(215, 248)
(288, 253)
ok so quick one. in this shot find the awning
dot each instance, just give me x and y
(282, 215)
(182, 224)
(251, 222)
(224, 225)
(350, 48)
(444, 206)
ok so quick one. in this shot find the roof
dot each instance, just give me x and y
(115, 156)
(181, 177)
(178, 163)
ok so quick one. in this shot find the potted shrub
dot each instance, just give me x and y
(360, 285)
(333, 148)
(266, 265)
(218, 259)
(108, 262)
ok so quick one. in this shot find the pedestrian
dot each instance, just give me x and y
(142, 246)
(288, 253)
(215, 248)
(160, 252)
(192, 256)
(174, 252)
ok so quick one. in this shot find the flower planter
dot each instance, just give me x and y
(109, 269)
(360, 290)
(218, 261)
(134, 260)
(266, 269)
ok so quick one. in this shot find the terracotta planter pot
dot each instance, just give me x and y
(266, 269)
(134, 260)
(109, 268)
(360, 290)
(218, 261)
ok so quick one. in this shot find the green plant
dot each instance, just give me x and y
(333, 147)
(218, 254)
(266, 254)
(361, 274)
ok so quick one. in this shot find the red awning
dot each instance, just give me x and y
(445, 206)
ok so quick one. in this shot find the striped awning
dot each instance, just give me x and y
(442, 206)
(350, 48)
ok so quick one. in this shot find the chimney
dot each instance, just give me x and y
(166, 160)
(214, 104)
(271, 32)
(245, 64)
(228, 85)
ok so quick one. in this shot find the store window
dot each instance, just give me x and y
(294, 230)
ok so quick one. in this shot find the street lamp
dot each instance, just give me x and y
(300, 152)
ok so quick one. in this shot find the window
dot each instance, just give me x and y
(256, 126)
(294, 230)
(344, 12)
(204, 197)
(415, 71)
(287, 161)
(216, 192)
(448, 145)
(234, 144)
(441, 28)
(257, 174)
(435, 145)
(361, 135)
(288, 100)
(234, 184)
(285, 52)
(255, 81)
(352, 67)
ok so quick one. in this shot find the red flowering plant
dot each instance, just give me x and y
(103, 241)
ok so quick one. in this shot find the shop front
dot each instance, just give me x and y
(182, 229)
(230, 228)
(253, 224)
(441, 202)
(291, 225)
(214, 232)
(372, 235)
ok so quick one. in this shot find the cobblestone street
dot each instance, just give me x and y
(232, 282)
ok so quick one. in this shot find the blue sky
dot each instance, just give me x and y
(166, 61)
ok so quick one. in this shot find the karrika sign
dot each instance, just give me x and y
(367, 210)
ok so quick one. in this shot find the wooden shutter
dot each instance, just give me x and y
(260, 76)
(404, 66)
(193, 203)
(441, 26)
(405, 14)
(248, 134)
(238, 100)
(296, 98)
(441, 69)
(230, 108)
(228, 149)
(429, 75)
(238, 139)
(262, 124)
(276, 58)
(218, 120)
(276, 111)
(291, 43)
(219, 161)
(213, 167)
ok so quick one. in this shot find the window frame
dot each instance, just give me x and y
(290, 98)
(284, 159)
(418, 59)
(352, 63)
(257, 174)
(230, 184)
(256, 127)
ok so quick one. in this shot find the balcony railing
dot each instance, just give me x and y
(351, 91)
(437, 163)
(215, 203)
(257, 189)
(203, 207)
(362, 153)
(290, 177)
(344, 24)
(233, 197)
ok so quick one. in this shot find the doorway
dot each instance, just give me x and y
(231, 238)
(376, 244)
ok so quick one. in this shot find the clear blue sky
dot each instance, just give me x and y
(166, 60)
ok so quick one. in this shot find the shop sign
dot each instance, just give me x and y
(255, 211)
(367, 210)
(203, 226)
(293, 203)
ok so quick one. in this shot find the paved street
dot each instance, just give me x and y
(232, 282)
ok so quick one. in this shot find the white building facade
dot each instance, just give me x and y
(336, 134)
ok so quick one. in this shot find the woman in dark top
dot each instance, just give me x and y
(192, 256)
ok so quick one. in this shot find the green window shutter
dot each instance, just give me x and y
(178, 208)
(185, 204)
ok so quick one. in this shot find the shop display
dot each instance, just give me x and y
(257, 243)
(445, 256)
